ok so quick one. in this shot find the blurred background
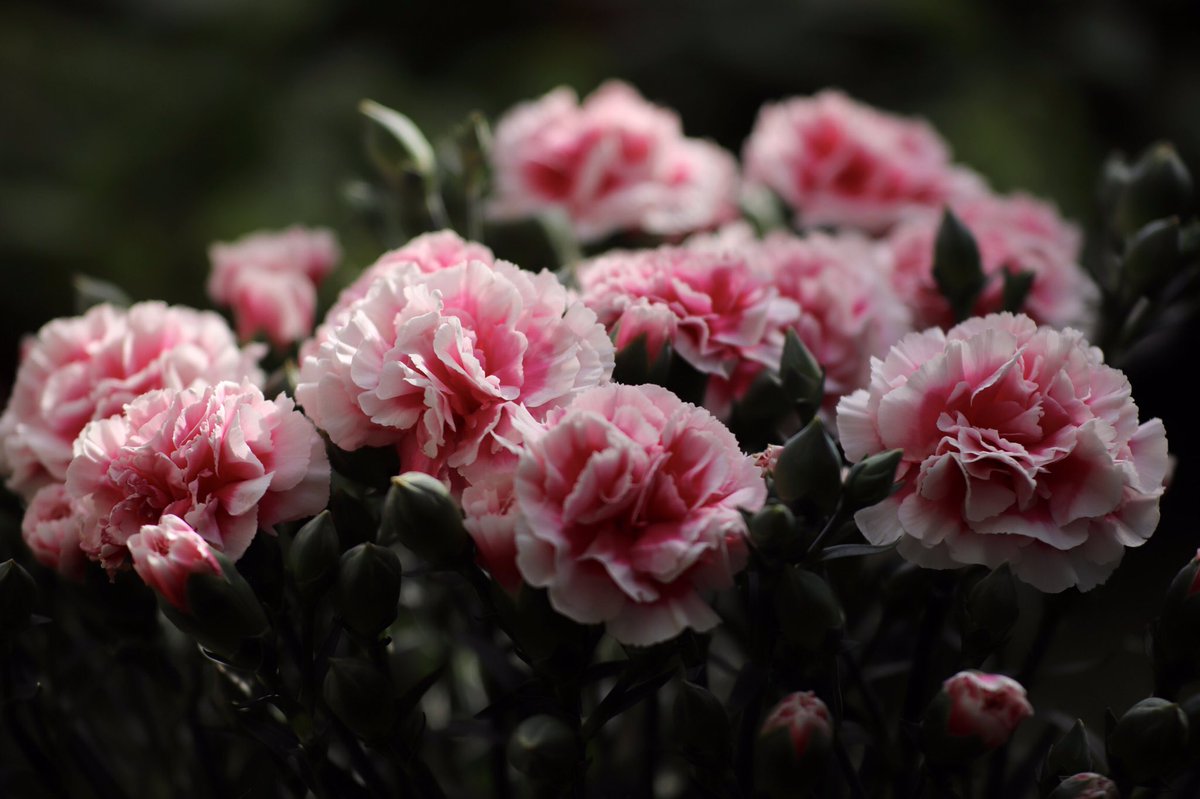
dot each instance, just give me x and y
(136, 132)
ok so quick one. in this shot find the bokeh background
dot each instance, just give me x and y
(135, 132)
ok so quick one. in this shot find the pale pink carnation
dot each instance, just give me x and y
(629, 508)
(87, 367)
(433, 363)
(613, 163)
(50, 529)
(1016, 233)
(710, 305)
(166, 554)
(835, 161)
(987, 707)
(429, 252)
(1019, 446)
(802, 715)
(270, 280)
(224, 459)
(768, 458)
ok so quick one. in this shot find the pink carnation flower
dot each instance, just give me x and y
(987, 707)
(839, 162)
(803, 716)
(1019, 445)
(710, 305)
(87, 367)
(224, 459)
(435, 363)
(166, 554)
(269, 279)
(613, 163)
(629, 508)
(51, 531)
(1016, 233)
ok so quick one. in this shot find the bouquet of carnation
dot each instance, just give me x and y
(629, 470)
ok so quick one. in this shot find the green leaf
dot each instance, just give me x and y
(809, 467)
(1151, 259)
(802, 377)
(409, 151)
(90, 291)
(853, 551)
(957, 267)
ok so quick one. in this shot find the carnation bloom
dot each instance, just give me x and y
(802, 715)
(710, 305)
(629, 507)
(166, 554)
(435, 363)
(51, 531)
(269, 279)
(87, 367)
(839, 162)
(224, 459)
(1015, 233)
(1019, 445)
(986, 707)
(613, 163)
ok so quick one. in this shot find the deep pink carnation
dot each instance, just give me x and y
(1020, 446)
(51, 531)
(433, 363)
(613, 163)
(839, 162)
(224, 459)
(166, 554)
(1016, 233)
(802, 715)
(270, 280)
(988, 707)
(87, 367)
(710, 305)
(629, 508)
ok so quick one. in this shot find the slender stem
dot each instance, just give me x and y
(835, 522)
(650, 743)
(918, 679)
(852, 778)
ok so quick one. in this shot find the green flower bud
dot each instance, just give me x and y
(1177, 632)
(17, 595)
(957, 267)
(1157, 186)
(368, 588)
(223, 614)
(801, 376)
(810, 617)
(314, 555)
(1087, 785)
(420, 514)
(361, 697)
(773, 532)
(701, 726)
(871, 479)
(1149, 742)
(809, 467)
(1070, 755)
(546, 751)
(1151, 259)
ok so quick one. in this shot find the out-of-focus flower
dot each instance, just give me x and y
(87, 367)
(804, 717)
(270, 280)
(166, 554)
(613, 163)
(1087, 785)
(51, 531)
(224, 459)
(793, 745)
(838, 162)
(973, 713)
(436, 363)
(717, 313)
(1019, 445)
(629, 508)
(1015, 233)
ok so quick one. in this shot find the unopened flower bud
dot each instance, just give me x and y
(793, 745)
(1070, 755)
(1177, 632)
(701, 725)
(773, 531)
(167, 554)
(1158, 186)
(871, 479)
(1149, 742)
(361, 696)
(972, 714)
(810, 616)
(809, 467)
(1087, 785)
(546, 751)
(420, 514)
(17, 594)
(1151, 259)
(368, 588)
(801, 376)
(314, 555)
